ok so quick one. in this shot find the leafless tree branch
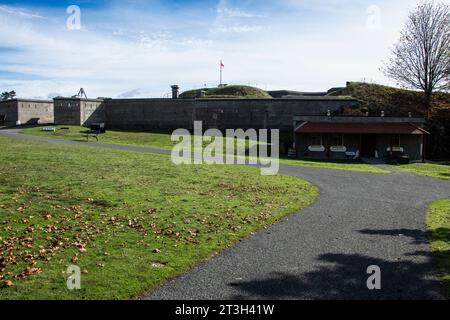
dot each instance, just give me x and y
(421, 58)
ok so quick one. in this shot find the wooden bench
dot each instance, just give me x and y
(93, 133)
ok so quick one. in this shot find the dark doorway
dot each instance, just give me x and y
(2, 119)
(368, 146)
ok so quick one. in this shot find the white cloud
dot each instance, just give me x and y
(19, 12)
(288, 50)
(239, 29)
(223, 11)
(234, 20)
(131, 94)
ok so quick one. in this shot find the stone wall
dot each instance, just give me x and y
(8, 113)
(78, 111)
(67, 111)
(92, 111)
(26, 111)
(215, 113)
(35, 111)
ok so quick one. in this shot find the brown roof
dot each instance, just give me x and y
(360, 128)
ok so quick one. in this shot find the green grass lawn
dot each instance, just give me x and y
(441, 170)
(162, 140)
(438, 223)
(155, 139)
(356, 166)
(129, 220)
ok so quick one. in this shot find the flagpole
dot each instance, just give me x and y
(220, 73)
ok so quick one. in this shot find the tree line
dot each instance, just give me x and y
(7, 95)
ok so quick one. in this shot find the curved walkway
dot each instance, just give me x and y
(323, 252)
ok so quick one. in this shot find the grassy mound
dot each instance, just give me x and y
(399, 102)
(394, 101)
(236, 91)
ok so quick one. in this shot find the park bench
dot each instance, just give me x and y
(396, 155)
(95, 130)
(92, 133)
(48, 129)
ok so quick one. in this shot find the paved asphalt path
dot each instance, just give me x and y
(323, 252)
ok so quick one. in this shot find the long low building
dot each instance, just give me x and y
(341, 137)
(26, 111)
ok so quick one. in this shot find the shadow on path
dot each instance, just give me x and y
(344, 276)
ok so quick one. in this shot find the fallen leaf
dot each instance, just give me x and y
(8, 283)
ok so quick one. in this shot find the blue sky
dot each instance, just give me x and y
(139, 48)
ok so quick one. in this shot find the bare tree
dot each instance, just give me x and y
(421, 58)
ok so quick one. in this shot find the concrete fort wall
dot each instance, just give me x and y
(92, 111)
(26, 111)
(214, 113)
(8, 113)
(35, 111)
(77, 111)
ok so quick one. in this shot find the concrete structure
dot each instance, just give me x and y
(347, 137)
(311, 122)
(175, 91)
(78, 111)
(216, 113)
(279, 94)
(306, 122)
(26, 111)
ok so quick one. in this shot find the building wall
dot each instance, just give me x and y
(26, 111)
(411, 144)
(303, 141)
(67, 111)
(91, 111)
(8, 112)
(77, 111)
(222, 114)
(35, 112)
